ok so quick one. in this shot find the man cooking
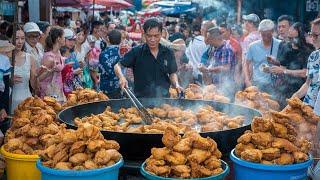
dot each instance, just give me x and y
(154, 66)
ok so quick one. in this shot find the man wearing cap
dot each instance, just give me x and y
(32, 41)
(250, 24)
(256, 58)
(219, 61)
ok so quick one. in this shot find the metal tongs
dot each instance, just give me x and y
(146, 117)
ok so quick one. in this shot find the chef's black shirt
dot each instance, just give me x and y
(151, 75)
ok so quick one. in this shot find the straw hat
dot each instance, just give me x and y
(6, 46)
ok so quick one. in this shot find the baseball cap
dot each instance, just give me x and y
(251, 17)
(266, 25)
(31, 27)
(69, 34)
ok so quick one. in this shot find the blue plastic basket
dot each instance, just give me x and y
(245, 170)
(221, 176)
(106, 173)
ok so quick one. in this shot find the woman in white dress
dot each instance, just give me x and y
(24, 71)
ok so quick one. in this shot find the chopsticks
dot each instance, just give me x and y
(147, 118)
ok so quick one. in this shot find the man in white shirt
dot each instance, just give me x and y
(197, 48)
(32, 41)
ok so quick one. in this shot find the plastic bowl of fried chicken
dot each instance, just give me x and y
(189, 157)
(275, 147)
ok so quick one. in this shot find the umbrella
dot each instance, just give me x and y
(116, 4)
(64, 3)
(67, 9)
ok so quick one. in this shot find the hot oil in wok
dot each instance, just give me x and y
(202, 118)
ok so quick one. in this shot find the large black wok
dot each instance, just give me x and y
(137, 146)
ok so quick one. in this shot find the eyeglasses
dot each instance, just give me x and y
(313, 35)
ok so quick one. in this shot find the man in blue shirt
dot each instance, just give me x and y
(256, 58)
(110, 56)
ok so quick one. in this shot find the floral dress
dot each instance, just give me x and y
(313, 70)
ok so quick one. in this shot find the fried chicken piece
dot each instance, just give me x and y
(199, 155)
(262, 139)
(280, 130)
(102, 157)
(20, 122)
(300, 157)
(270, 154)
(284, 159)
(175, 158)
(285, 144)
(77, 147)
(211, 127)
(69, 137)
(78, 158)
(160, 153)
(95, 145)
(159, 170)
(13, 144)
(114, 155)
(32, 141)
(60, 156)
(204, 143)
(89, 164)
(63, 166)
(27, 149)
(111, 144)
(153, 161)
(34, 131)
(241, 147)
(267, 162)
(170, 137)
(159, 112)
(245, 138)
(78, 168)
(252, 155)
(260, 124)
(212, 163)
(183, 146)
(198, 171)
(304, 145)
(181, 171)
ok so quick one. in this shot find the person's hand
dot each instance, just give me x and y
(295, 95)
(276, 70)
(272, 60)
(3, 114)
(213, 70)
(179, 89)
(77, 71)
(123, 83)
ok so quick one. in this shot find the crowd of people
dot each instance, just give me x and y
(150, 56)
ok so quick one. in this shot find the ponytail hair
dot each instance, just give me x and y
(51, 39)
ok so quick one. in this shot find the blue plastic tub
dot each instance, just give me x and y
(245, 170)
(106, 173)
(221, 176)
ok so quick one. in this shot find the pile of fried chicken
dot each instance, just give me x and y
(81, 96)
(81, 149)
(202, 118)
(34, 120)
(253, 98)
(189, 156)
(275, 139)
(302, 117)
(194, 91)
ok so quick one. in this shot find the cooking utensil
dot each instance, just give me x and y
(146, 117)
(136, 146)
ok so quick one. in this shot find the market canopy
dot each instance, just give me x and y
(115, 4)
